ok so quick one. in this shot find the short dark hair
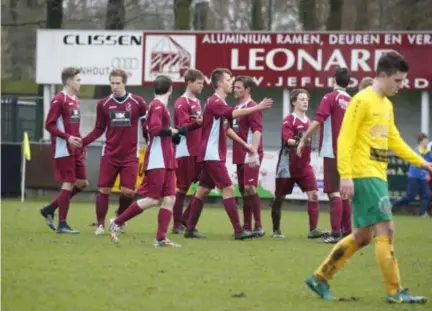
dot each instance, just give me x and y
(68, 73)
(119, 73)
(247, 81)
(390, 63)
(162, 84)
(365, 82)
(295, 94)
(421, 136)
(217, 75)
(192, 75)
(342, 76)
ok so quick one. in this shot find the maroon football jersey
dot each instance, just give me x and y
(216, 117)
(63, 121)
(245, 128)
(160, 150)
(289, 163)
(119, 120)
(184, 109)
(330, 115)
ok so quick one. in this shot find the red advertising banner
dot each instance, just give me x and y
(286, 60)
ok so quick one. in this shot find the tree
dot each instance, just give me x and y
(334, 20)
(115, 19)
(200, 19)
(307, 12)
(257, 21)
(181, 14)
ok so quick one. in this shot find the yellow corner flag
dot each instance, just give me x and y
(26, 147)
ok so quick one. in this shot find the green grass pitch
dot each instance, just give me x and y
(45, 271)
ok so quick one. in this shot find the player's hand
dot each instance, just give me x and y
(266, 103)
(253, 160)
(75, 142)
(197, 118)
(174, 132)
(428, 177)
(300, 147)
(427, 166)
(346, 189)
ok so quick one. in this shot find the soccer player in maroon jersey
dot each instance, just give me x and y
(63, 122)
(329, 118)
(249, 129)
(117, 115)
(216, 117)
(158, 188)
(187, 113)
(292, 169)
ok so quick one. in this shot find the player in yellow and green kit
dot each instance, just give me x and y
(368, 132)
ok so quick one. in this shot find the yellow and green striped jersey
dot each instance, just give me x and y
(367, 133)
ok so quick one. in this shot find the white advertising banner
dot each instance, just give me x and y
(266, 187)
(96, 52)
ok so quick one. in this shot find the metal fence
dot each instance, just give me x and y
(21, 114)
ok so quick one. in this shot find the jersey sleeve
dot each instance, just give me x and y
(288, 130)
(220, 109)
(142, 107)
(99, 128)
(54, 114)
(154, 120)
(323, 110)
(255, 122)
(354, 114)
(183, 115)
(144, 129)
(398, 145)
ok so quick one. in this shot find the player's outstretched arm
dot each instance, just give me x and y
(398, 146)
(99, 128)
(266, 103)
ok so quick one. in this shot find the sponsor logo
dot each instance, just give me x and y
(171, 55)
(100, 40)
(120, 118)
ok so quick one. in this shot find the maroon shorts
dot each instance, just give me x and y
(214, 174)
(247, 176)
(306, 183)
(109, 170)
(331, 176)
(158, 183)
(69, 169)
(187, 172)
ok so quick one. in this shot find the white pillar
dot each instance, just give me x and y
(286, 103)
(425, 113)
(48, 94)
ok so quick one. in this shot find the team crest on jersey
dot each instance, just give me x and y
(75, 115)
(343, 104)
(128, 107)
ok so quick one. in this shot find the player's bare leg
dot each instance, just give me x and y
(252, 205)
(313, 212)
(48, 211)
(132, 211)
(178, 228)
(102, 203)
(164, 218)
(230, 206)
(195, 209)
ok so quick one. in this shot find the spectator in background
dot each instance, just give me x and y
(418, 179)
(365, 82)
